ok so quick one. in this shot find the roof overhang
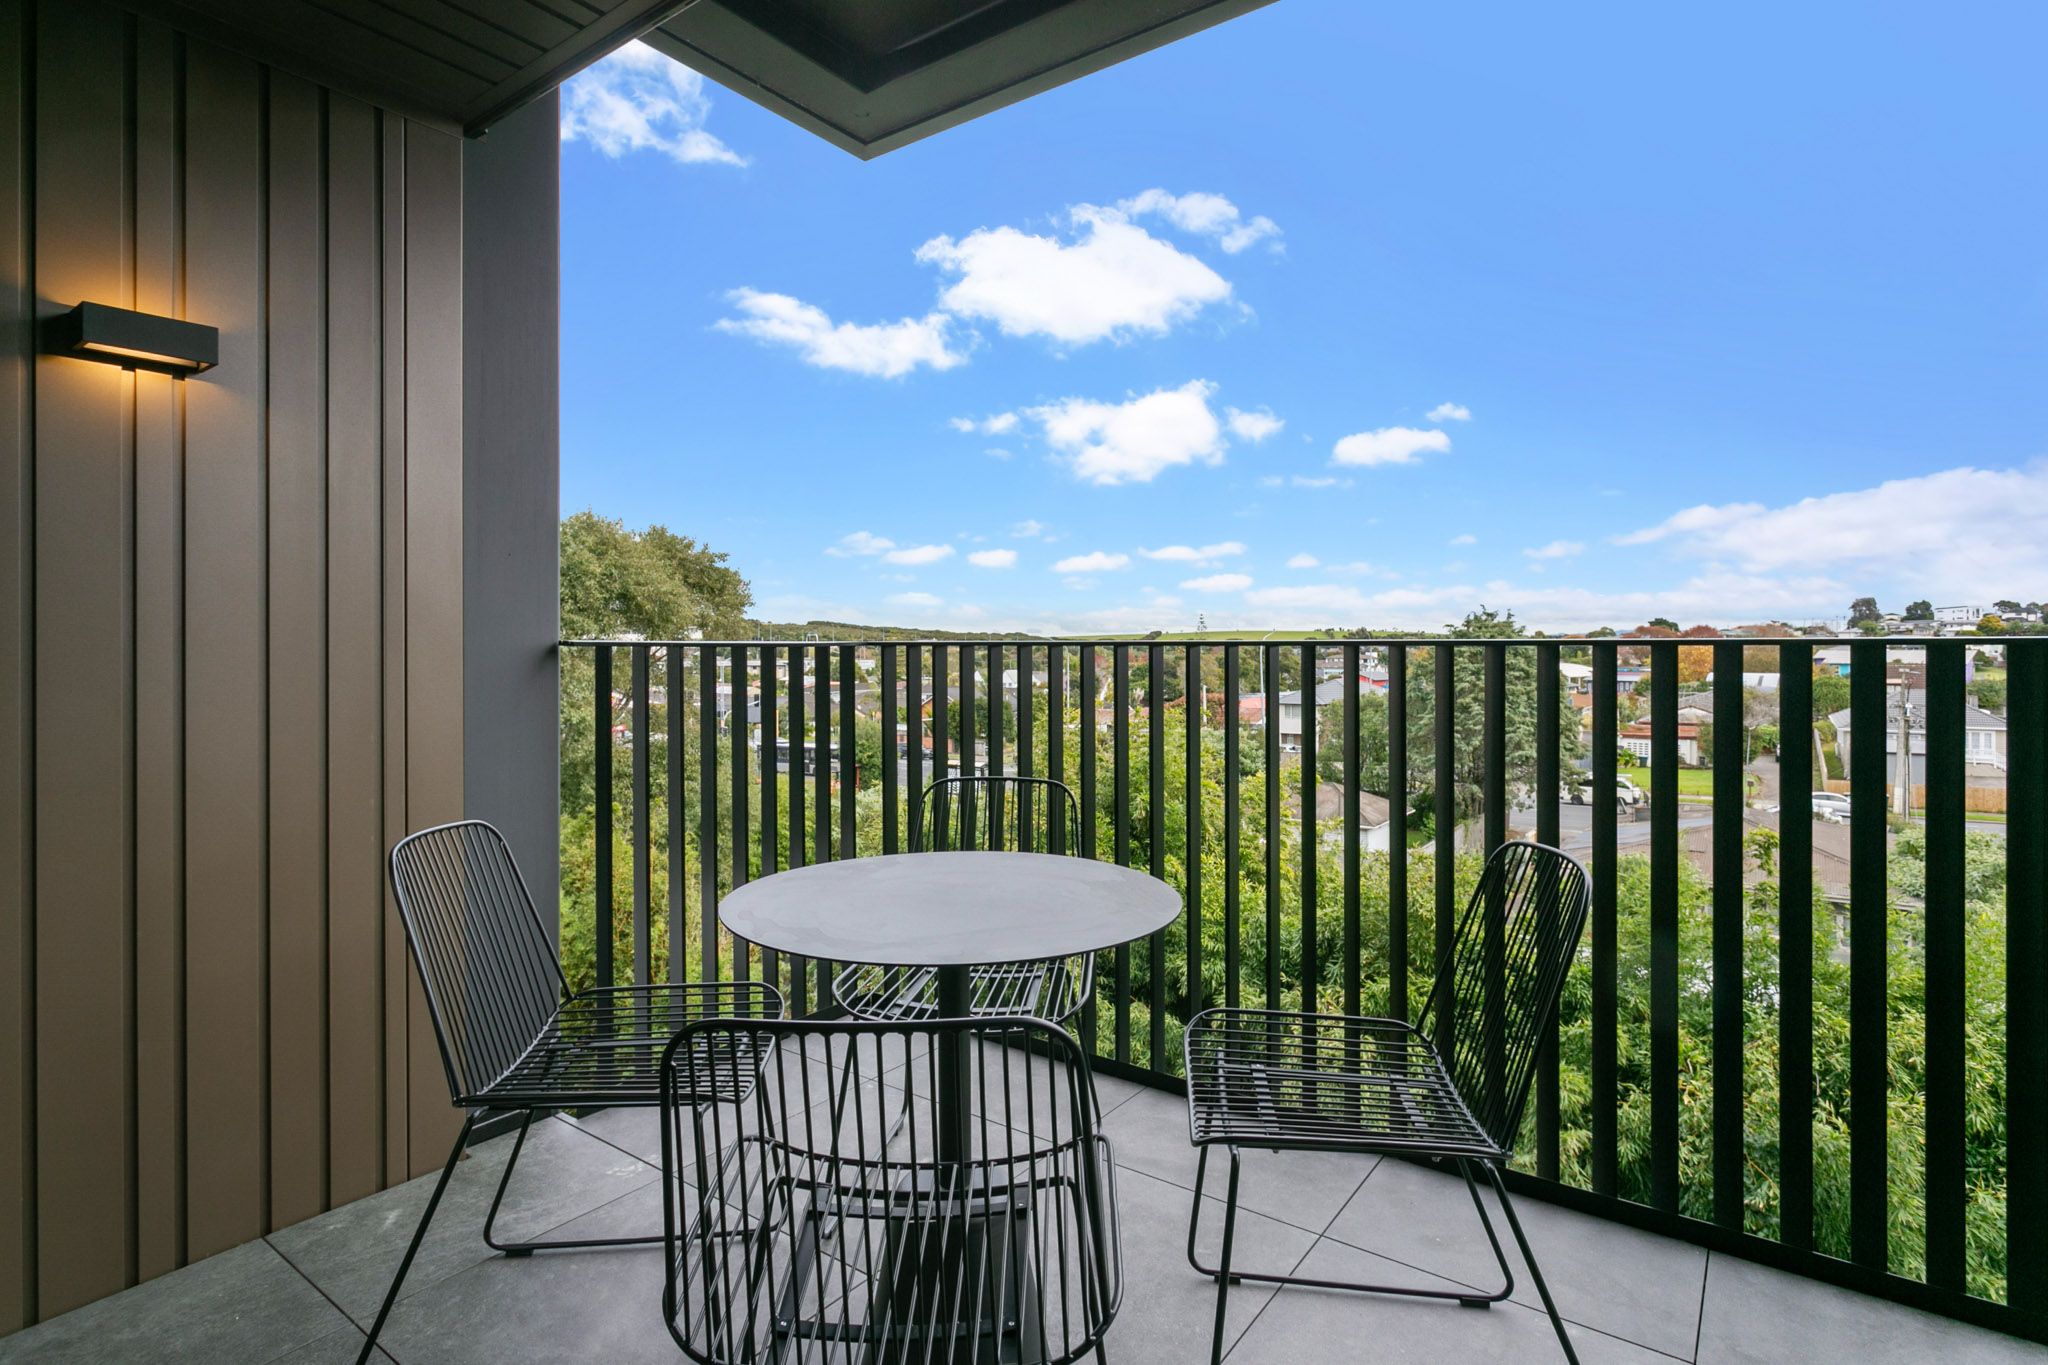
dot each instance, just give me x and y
(875, 76)
(867, 75)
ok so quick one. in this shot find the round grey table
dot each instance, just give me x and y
(953, 912)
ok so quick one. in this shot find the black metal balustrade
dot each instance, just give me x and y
(713, 725)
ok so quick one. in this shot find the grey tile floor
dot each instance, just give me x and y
(300, 1297)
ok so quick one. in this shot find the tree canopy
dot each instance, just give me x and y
(653, 583)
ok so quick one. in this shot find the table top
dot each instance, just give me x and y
(950, 909)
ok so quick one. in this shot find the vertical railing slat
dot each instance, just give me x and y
(1155, 844)
(1605, 1062)
(1085, 736)
(1269, 670)
(891, 716)
(2026, 975)
(1196, 715)
(678, 820)
(607, 970)
(1445, 859)
(1120, 730)
(741, 869)
(643, 833)
(765, 756)
(1547, 778)
(914, 730)
(707, 810)
(1349, 657)
(1947, 1168)
(1397, 831)
(1795, 945)
(821, 802)
(1311, 964)
(1664, 854)
(1730, 1158)
(1233, 830)
(1869, 1082)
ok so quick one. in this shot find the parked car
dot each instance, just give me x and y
(1626, 793)
(1833, 806)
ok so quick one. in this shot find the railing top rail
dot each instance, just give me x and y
(1424, 641)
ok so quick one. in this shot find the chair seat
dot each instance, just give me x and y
(1281, 1079)
(1049, 989)
(604, 1047)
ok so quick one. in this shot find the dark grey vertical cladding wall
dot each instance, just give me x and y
(231, 648)
(511, 494)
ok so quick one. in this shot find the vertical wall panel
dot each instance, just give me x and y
(82, 607)
(226, 958)
(433, 553)
(296, 525)
(159, 681)
(400, 1000)
(355, 668)
(17, 940)
(232, 646)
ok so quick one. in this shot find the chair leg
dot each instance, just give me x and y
(1224, 1279)
(528, 1248)
(419, 1235)
(1500, 1187)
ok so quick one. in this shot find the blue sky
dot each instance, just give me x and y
(1344, 315)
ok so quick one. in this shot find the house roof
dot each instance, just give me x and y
(866, 75)
(1374, 810)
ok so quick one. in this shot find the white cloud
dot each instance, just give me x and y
(860, 543)
(1115, 281)
(1325, 481)
(1195, 554)
(996, 453)
(1206, 215)
(1078, 584)
(918, 554)
(1303, 561)
(1252, 426)
(993, 559)
(1134, 441)
(638, 100)
(1219, 582)
(1963, 533)
(1026, 530)
(1467, 539)
(1450, 412)
(913, 599)
(1100, 561)
(1388, 445)
(995, 425)
(1557, 549)
(884, 350)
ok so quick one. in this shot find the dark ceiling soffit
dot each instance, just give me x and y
(1066, 43)
(352, 74)
(629, 20)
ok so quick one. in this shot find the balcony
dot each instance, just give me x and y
(299, 1297)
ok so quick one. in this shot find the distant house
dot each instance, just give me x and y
(1375, 816)
(1983, 736)
(1636, 739)
(1958, 616)
(1290, 710)
(1252, 709)
(1762, 682)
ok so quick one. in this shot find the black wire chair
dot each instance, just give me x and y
(1451, 1086)
(1002, 814)
(804, 1234)
(513, 1037)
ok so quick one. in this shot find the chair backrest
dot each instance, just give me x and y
(1498, 991)
(491, 976)
(997, 814)
(806, 1231)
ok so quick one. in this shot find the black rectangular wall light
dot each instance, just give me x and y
(134, 341)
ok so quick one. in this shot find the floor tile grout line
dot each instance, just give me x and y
(347, 1316)
(1315, 1240)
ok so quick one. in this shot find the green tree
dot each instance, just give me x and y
(653, 583)
(1830, 694)
(1923, 610)
(1864, 609)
